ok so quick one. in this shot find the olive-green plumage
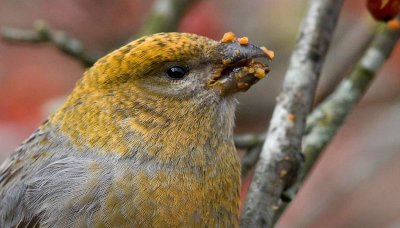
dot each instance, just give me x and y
(133, 146)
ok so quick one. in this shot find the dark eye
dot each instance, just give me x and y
(176, 72)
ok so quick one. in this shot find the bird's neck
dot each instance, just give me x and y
(129, 124)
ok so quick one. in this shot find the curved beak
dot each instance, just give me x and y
(235, 52)
(238, 71)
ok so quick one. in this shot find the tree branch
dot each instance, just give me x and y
(165, 16)
(325, 120)
(281, 158)
(246, 141)
(42, 33)
(346, 53)
(250, 159)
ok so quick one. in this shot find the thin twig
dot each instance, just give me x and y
(250, 159)
(42, 33)
(246, 141)
(324, 121)
(345, 55)
(350, 179)
(281, 158)
(165, 16)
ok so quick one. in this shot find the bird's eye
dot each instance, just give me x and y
(176, 72)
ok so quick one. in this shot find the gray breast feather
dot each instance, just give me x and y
(68, 190)
(55, 188)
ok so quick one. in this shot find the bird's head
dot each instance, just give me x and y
(180, 66)
(162, 83)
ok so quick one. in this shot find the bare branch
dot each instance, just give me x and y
(42, 33)
(246, 141)
(250, 159)
(345, 54)
(281, 158)
(165, 16)
(324, 121)
(252, 144)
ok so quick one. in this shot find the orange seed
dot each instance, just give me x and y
(394, 24)
(243, 41)
(226, 61)
(271, 54)
(259, 73)
(228, 37)
(242, 85)
(291, 117)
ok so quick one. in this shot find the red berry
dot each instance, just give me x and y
(383, 10)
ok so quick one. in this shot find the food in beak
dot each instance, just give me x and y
(240, 71)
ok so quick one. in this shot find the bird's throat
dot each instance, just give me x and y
(147, 127)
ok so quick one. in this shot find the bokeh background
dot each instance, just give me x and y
(356, 183)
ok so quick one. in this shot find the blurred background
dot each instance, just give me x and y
(356, 182)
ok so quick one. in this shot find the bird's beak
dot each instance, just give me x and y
(238, 71)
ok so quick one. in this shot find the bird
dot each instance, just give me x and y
(145, 139)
